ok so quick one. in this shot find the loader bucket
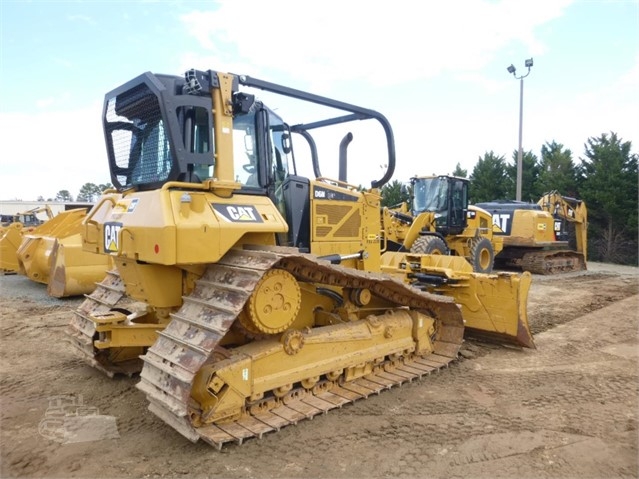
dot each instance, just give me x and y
(9, 244)
(494, 306)
(74, 271)
(33, 257)
(52, 254)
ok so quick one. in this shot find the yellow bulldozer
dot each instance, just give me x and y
(52, 254)
(250, 297)
(439, 220)
(547, 237)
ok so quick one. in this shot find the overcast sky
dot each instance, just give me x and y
(436, 70)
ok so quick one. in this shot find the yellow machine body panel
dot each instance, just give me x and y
(345, 222)
(531, 228)
(175, 227)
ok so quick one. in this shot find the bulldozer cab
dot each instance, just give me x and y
(446, 197)
(262, 155)
(201, 132)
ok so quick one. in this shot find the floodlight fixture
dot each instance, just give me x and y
(529, 63)
(512, 69)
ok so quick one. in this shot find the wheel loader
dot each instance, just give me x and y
(547, 237)
(249, 297)
(440, 220)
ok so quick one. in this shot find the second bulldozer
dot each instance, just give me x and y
(251, 297)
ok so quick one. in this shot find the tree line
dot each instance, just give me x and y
(605, 178)
(89, 193)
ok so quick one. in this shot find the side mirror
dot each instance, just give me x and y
(286, 143)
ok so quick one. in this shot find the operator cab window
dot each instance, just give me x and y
(244, 150)
(197, 138)
(430, 195)
(280, 146)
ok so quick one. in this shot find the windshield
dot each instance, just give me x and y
(152, 139)
(244, 151)
(430, 194)
(137, 136)
(280, 147)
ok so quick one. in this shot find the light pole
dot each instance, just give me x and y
(520, 153)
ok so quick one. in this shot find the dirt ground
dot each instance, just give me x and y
(566, 409)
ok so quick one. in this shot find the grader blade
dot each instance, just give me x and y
(494, 306)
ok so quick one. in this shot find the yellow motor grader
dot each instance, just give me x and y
(439, 220)
(251, 297)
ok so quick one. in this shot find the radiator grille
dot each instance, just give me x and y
(335, 215)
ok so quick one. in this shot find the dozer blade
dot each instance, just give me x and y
(9, 244)
(494, 306)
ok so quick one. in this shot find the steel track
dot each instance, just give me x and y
(193, 335)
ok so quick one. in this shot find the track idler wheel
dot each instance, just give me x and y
(274, 304)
